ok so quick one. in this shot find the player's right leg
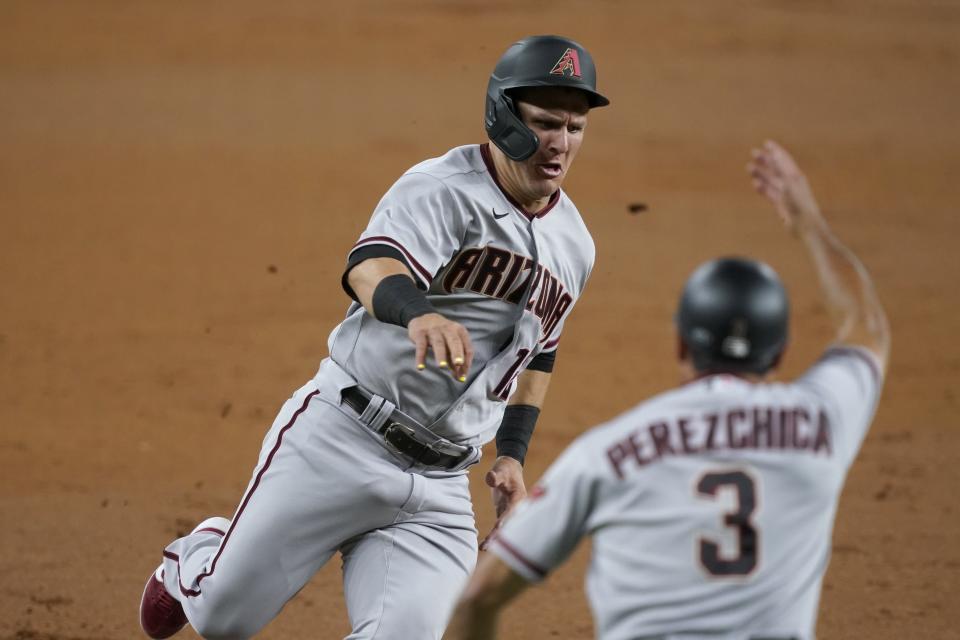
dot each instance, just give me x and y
(309, 492)
(402, 581)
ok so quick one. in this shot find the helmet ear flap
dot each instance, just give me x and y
(507, 130)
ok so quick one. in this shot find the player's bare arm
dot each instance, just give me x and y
(505, 477)
(492, 586)
(448, 340)
(848, 289)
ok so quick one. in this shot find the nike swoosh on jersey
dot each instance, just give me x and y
(498, 217)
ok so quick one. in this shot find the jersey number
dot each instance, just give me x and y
(746, 559)
(503, 387)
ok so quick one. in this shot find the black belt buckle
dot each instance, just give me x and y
(403, 439)
(399, 435)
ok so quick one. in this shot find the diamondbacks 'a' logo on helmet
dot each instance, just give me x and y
(569, 61)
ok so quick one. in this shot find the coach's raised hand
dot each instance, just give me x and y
(776, 175)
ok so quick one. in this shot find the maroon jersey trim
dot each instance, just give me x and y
(551, 344)
(529, 564)
(488, 160)
(243, 505)
(421, 270)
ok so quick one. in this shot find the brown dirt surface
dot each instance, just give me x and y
(180, 182)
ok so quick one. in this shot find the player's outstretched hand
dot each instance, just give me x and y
(776, 175)
(448, 340)
(505, 480)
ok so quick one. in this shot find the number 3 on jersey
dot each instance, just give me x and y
(745, 561)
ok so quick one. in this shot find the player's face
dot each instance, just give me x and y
(558, 116)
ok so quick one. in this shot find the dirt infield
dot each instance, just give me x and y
(180, 182)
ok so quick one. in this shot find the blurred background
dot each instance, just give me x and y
(180, 183)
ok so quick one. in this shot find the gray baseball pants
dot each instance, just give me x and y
(325, 484)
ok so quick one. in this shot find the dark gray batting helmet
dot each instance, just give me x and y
(733, 316)
(536, 61)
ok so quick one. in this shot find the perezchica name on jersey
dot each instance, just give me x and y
(498, 273)
(739, 428)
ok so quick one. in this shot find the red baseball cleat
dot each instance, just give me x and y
(161, 615)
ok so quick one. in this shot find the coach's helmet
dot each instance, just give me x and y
(536, 61)
(733, 316)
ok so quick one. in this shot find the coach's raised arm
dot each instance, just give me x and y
(846, 284)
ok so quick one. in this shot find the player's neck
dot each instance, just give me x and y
(510, 179)
(689, 374)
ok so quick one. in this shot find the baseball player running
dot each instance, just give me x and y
(475, 258)
(711, 506)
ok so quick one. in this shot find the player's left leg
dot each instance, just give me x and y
(403, 581)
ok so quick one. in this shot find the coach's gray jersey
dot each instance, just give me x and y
(711, 507)
(476, 253)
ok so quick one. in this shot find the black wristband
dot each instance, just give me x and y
(397, 300)
(543, 362)
(516, 429)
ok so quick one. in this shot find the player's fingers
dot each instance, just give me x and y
(486, 541)
(467, 350)
(455, 350)
(499, 485)
(774, 193)
(454, 347)
(420, 343)
(506, 506)
(767, 188)
(760, 171)
(781, 159)
(768, 184)
(756, 173)
(759, 156)
(508, 500)
(439, 346)
(764, 163)
(761, 178)
(500, 501)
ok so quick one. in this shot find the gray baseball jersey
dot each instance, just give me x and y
(324, 484)
(711, 506)
(509, 278)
